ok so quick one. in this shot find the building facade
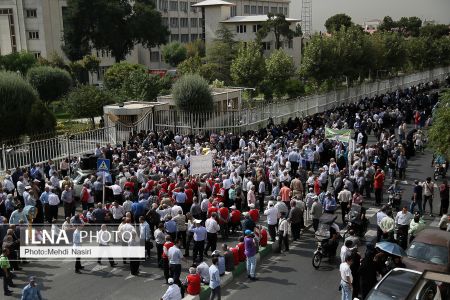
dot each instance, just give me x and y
(37, 26)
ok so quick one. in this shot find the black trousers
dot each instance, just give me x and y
(212, 242)
(428, 199)
(295, 228)
(344, 210)
(444, 206)
(283, 240)
(77, 264)
(166, 268)
(315, 224)
(378, 196)
(7, 281)
(261, 202)
(175, 272)
(134, 266)
(181, 235)
(273, 232)
(53, 212)
(189, 238)
(199, 247)
(159, 252)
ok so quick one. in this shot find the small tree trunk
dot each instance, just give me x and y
(93, 122)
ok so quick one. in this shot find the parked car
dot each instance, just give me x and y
(78, 178)
(403, 284)
(430, 250)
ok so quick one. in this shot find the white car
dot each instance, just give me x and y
(78, 177)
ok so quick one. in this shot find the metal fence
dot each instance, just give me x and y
(57, 148)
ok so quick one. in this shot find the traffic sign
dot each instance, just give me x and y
(103, 164)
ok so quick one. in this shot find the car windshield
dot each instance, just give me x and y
(396, 285)
(428, 253)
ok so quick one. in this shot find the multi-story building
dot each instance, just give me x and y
(37, 26)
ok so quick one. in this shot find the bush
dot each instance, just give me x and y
(87, 101)
(40, 114)
(18, 61)
(17, 97)
(295, 88)
(51, 83)
(192, 93)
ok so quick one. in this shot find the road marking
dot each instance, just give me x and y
(129, 277)
(371, 211)
(115, 271)
(435, 222)
(154, 277)
(98, 268)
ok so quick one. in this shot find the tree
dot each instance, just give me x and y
(18, 62)
(439, 133)
(87, 101)
(190, 66)
(280, 68)
(295, 88)
(174, 53)
(435, 31)
(394, 53)
(410, 26)
(192, 94)
(334, 23)
(196, 48)
(111, 25)
(18, 96)
(91, 63)
(141, 86)
(118, 73)
(248, 68)
(219, 56)
(387, 24)
(40, 114)
(51, 83)
(277, 24)
(423, 52)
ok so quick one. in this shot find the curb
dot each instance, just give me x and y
(229, 276)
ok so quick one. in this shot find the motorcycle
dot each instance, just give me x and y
(356, 221)
(323, 235)
(395, 199)
(440, 170)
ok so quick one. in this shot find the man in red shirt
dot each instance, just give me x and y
(235, 252)
(192, 282)
(262, 236)
(253, 213)
(378, 186)
(224, 215)
(165, 258)
(212, 209)
(241, 249)
(235, 219)
(189, 196)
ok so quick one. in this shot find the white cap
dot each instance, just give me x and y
(170, 281)
(251, 205)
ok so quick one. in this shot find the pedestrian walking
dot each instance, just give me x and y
(7, 276)
(283, 233)
(214, 279)
(31, 290)
(444, 194)
(346, 278)
(250, 254)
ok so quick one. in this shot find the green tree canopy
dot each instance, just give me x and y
(435, 31)
(219, 56)
(439, 133)
(277, 24)
(87, 101)
(409, 26)
(196, 48)
(51, 83)
(280, 68)
(111, 25)
(20, 105)
(40, 114)
(141, 86)
(174, 53)
(118, 73)
(248, 68)
(190, 66)
(18, 61)
(387, 24)
(192, 94)
(334, 23)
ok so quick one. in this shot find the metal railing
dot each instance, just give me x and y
(57, 148)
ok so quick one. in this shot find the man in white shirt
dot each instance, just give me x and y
(402, 221)
(173, 291)
(272, 219)
(212, 227)
(346, 278)
(53, 202)
(175, 257)
(117, 211)
(117, 191)
(346, 249)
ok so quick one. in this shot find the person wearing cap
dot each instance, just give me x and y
(212, 228)
(193, 282)
(346, 278)
(253, 213)
(272, 219)
(346, 249)
(200, 235)
(250, 251)
(173, 292)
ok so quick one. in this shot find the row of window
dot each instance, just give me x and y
(181, 22)
(31, 13)
(243, 28)
(166, 5)
(264, 10)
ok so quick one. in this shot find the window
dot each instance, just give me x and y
(253, 9)
(154, 56)
(174, 37)
(193, 9)
(291, 44)
(184, 22)
(173, 6)
(163, 5)
(260, 10)
(233, 11)
(266, 10)
(173, 22)
(273, 10)
(185, 38)
(241, 28)
(286, 11)
(246, 9)
(31, 13)
(36, 54)
(256, 28)
(194, 37)
(266, 45)
(194, 22)
(280, 10)
(183, 6)
(165, 21)
(33, 35)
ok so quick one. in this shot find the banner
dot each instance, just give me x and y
(341, 135)
(201, 164)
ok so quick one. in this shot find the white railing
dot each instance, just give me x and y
(60, 147)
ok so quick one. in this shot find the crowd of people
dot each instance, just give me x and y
(288, 172)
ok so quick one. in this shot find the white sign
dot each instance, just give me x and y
(201, 164)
